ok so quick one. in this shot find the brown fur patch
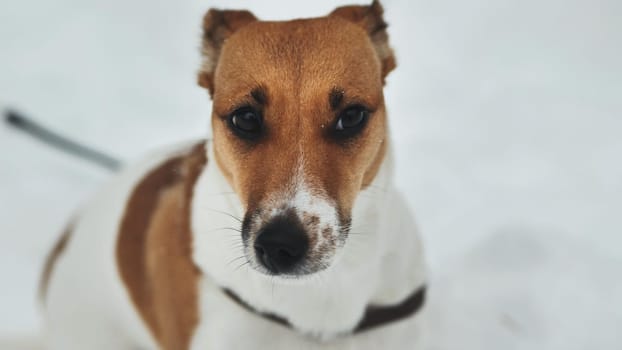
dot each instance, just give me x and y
(310, 220)
(154, 250)
(327, 233)
(311, 223)
(296, 65)
(51, 260)
(299, 64)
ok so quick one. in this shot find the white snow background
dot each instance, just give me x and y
(506, 119)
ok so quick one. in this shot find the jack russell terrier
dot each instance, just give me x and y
(282, 232)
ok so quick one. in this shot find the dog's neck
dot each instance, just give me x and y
(380, 264)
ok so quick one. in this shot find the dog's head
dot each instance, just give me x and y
(299, 126)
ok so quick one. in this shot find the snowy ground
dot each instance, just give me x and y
(507, 120)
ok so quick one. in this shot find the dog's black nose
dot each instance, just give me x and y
(281, 244)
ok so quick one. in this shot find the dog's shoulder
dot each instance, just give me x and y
(142, 217)
(153, 248)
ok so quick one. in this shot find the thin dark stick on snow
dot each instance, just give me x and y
(21, 122)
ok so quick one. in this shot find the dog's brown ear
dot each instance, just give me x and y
(371, 20)
(218, 25)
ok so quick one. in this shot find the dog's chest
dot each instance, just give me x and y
(224, 324)
(187, 309)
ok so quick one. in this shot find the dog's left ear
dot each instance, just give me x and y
(371, 20)
(218, 25)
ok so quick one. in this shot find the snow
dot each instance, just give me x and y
(506, 117)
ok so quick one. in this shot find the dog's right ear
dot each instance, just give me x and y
(218, 25)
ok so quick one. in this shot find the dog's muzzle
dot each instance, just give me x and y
(293, 235)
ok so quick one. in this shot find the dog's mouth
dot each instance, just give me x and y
(286, 244)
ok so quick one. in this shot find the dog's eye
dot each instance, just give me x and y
(246, 123)
(351, 120)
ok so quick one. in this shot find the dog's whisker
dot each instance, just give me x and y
(225, 213)
(234, 241)
(235, 259)
(240, 266)
(237, 245)
(234, 238)
(358, 233)
(224, 229)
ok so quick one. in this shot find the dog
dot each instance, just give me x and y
(283, 231)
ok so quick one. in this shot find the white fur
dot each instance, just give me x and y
(380, 263)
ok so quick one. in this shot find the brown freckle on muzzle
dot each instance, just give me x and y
(310, 220)
(311, 223)
(327, 232)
